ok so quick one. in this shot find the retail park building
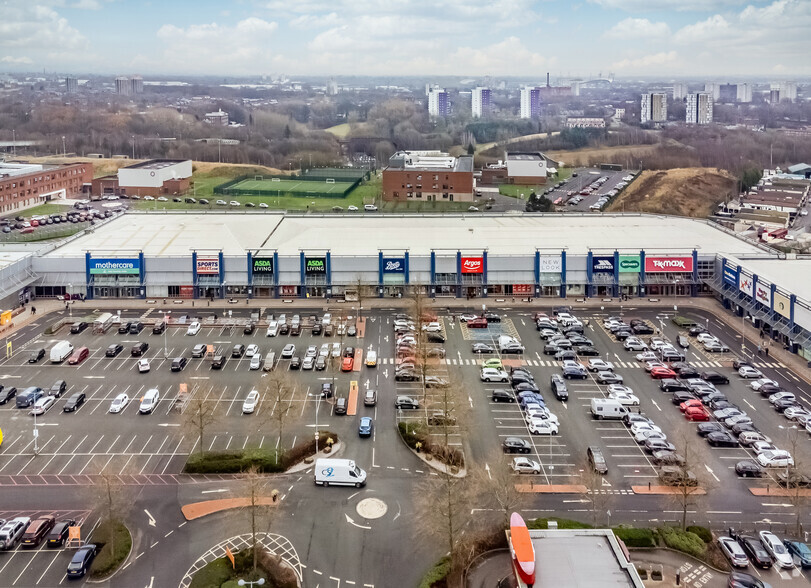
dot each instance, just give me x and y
(550, 256)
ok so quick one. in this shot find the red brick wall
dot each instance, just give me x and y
(396, 184)
(23, 191)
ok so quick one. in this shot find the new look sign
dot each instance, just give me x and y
(115, 266)
(394, 265)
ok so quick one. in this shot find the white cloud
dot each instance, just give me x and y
(312, 21)
(638, 28)
(87, 5)
(650, 63)
(669, 5)
(16, 60)
(712, 29)
(29, 32)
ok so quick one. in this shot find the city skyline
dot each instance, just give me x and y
(712, 38)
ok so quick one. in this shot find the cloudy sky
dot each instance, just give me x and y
(660, 38)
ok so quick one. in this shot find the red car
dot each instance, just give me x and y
(79, 356)
(660, 373)
(694, 403)
(347, 363)
(477, 323)
(696, 413)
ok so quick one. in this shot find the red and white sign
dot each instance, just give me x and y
(668, 264)
(472, 265)
(523, 288)
(208, 265)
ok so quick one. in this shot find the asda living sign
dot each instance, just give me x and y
(315, 265)
(629, 264)
(263, 265)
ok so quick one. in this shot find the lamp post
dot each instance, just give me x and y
(70, 306)
(258, 582)
(36, 434)
(14, 142)
(317, 406)
(132, 137)
(64, 150)
(165, 314)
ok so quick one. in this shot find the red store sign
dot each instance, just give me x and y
(472, 265)
(674, 265)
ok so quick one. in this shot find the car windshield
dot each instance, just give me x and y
(75, 565)
(779, 549)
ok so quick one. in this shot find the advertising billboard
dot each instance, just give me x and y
(394, 265)
(105, 266)
(208, 265)
(745, 284)
(669, 264)
(315, 265)
(630, 264)
(763, 292)
(782, 305)
(551, 264)
(262, 265)
(730, 276)
(472, 265)
(602, 264)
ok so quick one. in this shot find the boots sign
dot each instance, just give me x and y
(394, 265)
(472, 265)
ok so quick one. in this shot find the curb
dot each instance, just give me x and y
(123, 563)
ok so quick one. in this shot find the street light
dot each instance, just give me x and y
(36, 434)
(258, 582)
(165, 314)
(64, 150)
(70, 306)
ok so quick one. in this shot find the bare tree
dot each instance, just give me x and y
(281, 389)
(690, 480)
(199, 416)
(362, 289)
(446, 411)
(419, 311)
(599, 501)
(111, 494)
(258, 507)
(495, 486)
(792, 479)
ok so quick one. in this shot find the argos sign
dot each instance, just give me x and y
(660, 265)
(472, 265)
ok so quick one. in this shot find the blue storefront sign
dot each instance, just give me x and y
(394, 265)
(106, 266)
(602, 264)
(730, 276)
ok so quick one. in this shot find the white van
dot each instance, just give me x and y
(273, 329)
(338, 472)
(602, 408)
(61, 351)
(149, 402)
(270, 360)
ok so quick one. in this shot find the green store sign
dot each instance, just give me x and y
(630, 264)
(315, 265)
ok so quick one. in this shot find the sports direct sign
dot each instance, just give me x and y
(661, 265)
(472, 265)
(208, 265)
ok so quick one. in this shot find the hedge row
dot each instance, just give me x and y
(417, 433)
(107, 560)
(264, 460)
(562, 524)
(633, 537)
(437, 575)
(684, 541)
(703, 532)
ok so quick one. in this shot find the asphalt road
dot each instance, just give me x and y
(334, 543)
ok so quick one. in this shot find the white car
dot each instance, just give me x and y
(336, 350)
(472, 209)
(644, 435)
(619, 389)
(467, 316)
(705, 336)
(657, 343)
(493, 375)
(524, 465)
(634, 344)
(432, 327)
(776, 458)
(263, 205)
(163, 199)
(371, 358)
(143, 365)
(149, 197)
(647, 356)
(369, 207)
(760, 446)
(596, 364)
(776, 549)
(542, 427)
(120, 402)
(273, 329)
(326, 319)
(759, 383)
(256, 362)
(352, 208)
(233, 203)
(733, 552)
(42, 405)
(194, 328)
(308, 362)
(747, 371)
(252, 349)
(643, 426)
(624, 398)
(739, 419)
(251, 401)
(222, 203)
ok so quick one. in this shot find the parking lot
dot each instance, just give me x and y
(584, 178)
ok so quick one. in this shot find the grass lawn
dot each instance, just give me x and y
(290, 186)
(46, 208)
(340, 131)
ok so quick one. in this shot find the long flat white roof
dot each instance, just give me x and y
(793, 275)
(234, 234)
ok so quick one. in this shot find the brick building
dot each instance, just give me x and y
(428, 176)
(155, 177)
(24, 185)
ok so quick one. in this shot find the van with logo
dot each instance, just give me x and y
(339, 472)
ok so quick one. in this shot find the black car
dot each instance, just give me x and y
(586, 351)
(516, 445)
(124, 328)
(721, 439)
(159, 327)
(406, 376)
(559, 387)
(317, 328)
(697, 330)
(784, 403)
(667, 458)
(754, 550)
(434, 337)
(739, 363)
(551, 349)
(406, 403)
(687, 372)
(249, 328)
(114, 349)
(59, 533)
(743, 580)
(642, 329)
(744, 428)
(81, 561)
(526, 387)
(748, 468)
(136, 327)
(793, 480)
(573, 330)
(518, 377)
(78, 327)
(705, 429)
(578, 339)
(203, 201)
(238, 350)
(622, 335)
(682, 396)
(564, 354)
(503, 396)
(671, 385)
(767, 390)
(492, 317)
(521, 370)
(36, 355)
(295, 362)
(483, 348)
(576, 373)
(284, 329)
(714, 378)
(7, 393)
(218, 361)
(139, 349)
(59, 387)
(652, 445)
(74, 402)
(179, 363)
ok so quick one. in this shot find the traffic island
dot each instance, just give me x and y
(649, 489)
(227, 571)
(778, 491)
(447, 460)
(114, 541)
(552, 488)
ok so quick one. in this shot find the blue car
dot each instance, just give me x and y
(800, 552)
(81, 561)
(365, 427)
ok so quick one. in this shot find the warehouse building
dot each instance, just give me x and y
(155, 177)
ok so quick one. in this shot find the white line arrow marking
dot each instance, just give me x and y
(351, 522)
(151, 518)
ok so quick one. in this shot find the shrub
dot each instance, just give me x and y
(633, 537)
(437, 574)
(703, 532)
(683, 541)
(562, 524)
(107, 560)
(413, 434)
(214, 573)
(280, 576)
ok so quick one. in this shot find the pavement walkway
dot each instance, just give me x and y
(691, 572)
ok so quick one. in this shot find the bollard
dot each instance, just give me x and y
(678, 577)
(648, 486)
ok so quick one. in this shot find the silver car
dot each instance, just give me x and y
(12, 532)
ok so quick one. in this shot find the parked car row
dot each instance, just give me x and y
(763, 550)
(27, 533)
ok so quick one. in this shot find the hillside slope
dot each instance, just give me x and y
(690, 191)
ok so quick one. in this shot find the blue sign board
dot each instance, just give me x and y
(394, 265)
(106, 266)
(602, 264)
(730, 276)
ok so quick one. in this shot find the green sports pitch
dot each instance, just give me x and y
(268, 186)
